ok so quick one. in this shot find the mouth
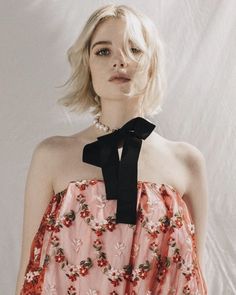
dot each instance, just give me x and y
(120, 80)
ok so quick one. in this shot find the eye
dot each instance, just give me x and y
(135, 50)
(101, 50)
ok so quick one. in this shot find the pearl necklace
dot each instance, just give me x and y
(101, 126)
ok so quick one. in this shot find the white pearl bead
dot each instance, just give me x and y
(101, 126)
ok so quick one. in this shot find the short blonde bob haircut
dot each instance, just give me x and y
(142, 32)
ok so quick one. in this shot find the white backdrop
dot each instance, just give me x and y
(200, 107)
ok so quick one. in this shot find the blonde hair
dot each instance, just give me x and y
(82, 96)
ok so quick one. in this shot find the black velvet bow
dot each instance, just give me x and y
(120, 176)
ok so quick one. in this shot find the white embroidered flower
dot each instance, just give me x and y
(149, 293)
(96, 224)
(36, 252)
(82, 181)
(119, 247)
(101, 201)
(30, 275)
(92, 292)
(71, 269)
(135, 273)
(58, 221)
(114, 274)
(191, 227)
(152, 226)
(187, 267)
(77, 243)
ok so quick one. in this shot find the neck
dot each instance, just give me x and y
(116, 113)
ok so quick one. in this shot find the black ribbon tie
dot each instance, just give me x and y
(120, 176)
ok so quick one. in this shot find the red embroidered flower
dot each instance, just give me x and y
(154, 234)
(50, 227)
(176, 258)
(93, 181)
(97, 242)
(135, 282)
(188, 276)
(67, 222)
(179, 222)
(83, 271)
(54, 199)
(143, 274)
(163, 228)
(115, 283)
(72, 277)
(102, 262)
(186, 290)
(71, 290)
(83, 186)
(110, 226)
(127, 276)
(98, 232)
(84, 213)
(59, 258)
(171, 241)
(68, 218)
(57, 228)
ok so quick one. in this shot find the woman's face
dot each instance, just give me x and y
(108, 58)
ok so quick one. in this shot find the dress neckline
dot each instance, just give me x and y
(97, 180)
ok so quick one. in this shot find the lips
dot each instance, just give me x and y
(119, 77)
(120, 81)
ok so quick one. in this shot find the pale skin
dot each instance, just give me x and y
(57, 160)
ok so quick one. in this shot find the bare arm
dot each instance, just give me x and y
(38, 191)
(196, 197)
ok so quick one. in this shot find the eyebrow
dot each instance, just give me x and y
(101, 42)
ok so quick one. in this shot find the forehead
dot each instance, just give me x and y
(110, 27)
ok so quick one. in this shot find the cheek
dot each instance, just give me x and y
(97, 69)
(99, 77)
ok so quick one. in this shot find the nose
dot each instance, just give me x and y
(119, 61)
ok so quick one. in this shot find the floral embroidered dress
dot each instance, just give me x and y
(79, 249)
(116, 235)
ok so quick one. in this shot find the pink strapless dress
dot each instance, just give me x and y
(80, 250)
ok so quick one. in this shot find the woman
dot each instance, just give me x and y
(115, 208)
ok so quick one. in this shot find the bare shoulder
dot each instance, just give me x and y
(195, 165)
(50, 151)
(191, 156)
(56, 145)
(53, 143)
(189, 153)
(191, 162)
